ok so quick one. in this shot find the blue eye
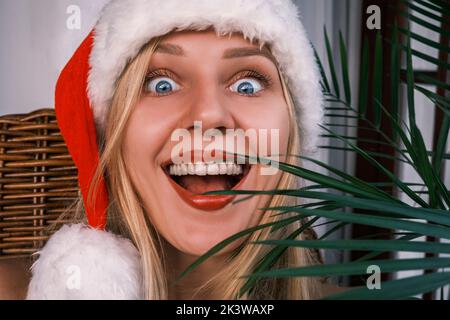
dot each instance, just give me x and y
(246, 86)
(161, 86)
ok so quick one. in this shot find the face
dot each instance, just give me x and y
(198, 82)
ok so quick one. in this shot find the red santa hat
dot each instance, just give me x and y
(86, 85)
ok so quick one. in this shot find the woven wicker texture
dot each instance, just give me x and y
(38, 181)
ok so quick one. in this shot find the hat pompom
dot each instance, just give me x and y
(80, 262)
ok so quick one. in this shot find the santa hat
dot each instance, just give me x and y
(86, 86)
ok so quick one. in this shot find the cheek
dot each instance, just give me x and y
(148, 130)
(271, 114)
(143, 141)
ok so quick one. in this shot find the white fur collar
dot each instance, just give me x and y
(79, 262)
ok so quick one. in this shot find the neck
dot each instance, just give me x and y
(185, 289)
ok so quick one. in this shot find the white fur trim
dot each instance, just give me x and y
(81, 263)
(127, 25)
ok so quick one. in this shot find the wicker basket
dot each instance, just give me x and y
(38, 181)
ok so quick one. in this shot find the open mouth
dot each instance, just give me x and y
(201, 177)
(192, 180)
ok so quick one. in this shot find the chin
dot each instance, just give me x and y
(194, 222)
(198, 245)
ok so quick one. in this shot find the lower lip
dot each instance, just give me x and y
(202, 202)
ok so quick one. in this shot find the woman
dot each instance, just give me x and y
(148, 70)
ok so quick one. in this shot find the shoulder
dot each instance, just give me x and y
(14, 278)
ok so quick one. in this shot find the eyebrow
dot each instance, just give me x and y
(169, 48)
(248, 52)
(232, 53)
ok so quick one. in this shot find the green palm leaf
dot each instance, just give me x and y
(397, 289)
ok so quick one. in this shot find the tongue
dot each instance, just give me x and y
(199, 185)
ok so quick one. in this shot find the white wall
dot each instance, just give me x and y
(35, 45)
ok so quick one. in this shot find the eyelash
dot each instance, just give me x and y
(250, 73)
(156, 74)
(264, 78)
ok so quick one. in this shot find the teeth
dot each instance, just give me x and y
(184, 170)
(200, 169)
(203, 169)
(213, 169)
(222, 168)
(230, 169)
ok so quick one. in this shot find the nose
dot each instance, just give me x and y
(209, 106)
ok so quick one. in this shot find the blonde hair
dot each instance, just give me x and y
(126, 214)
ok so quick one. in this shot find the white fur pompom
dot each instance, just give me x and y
(82, 263)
